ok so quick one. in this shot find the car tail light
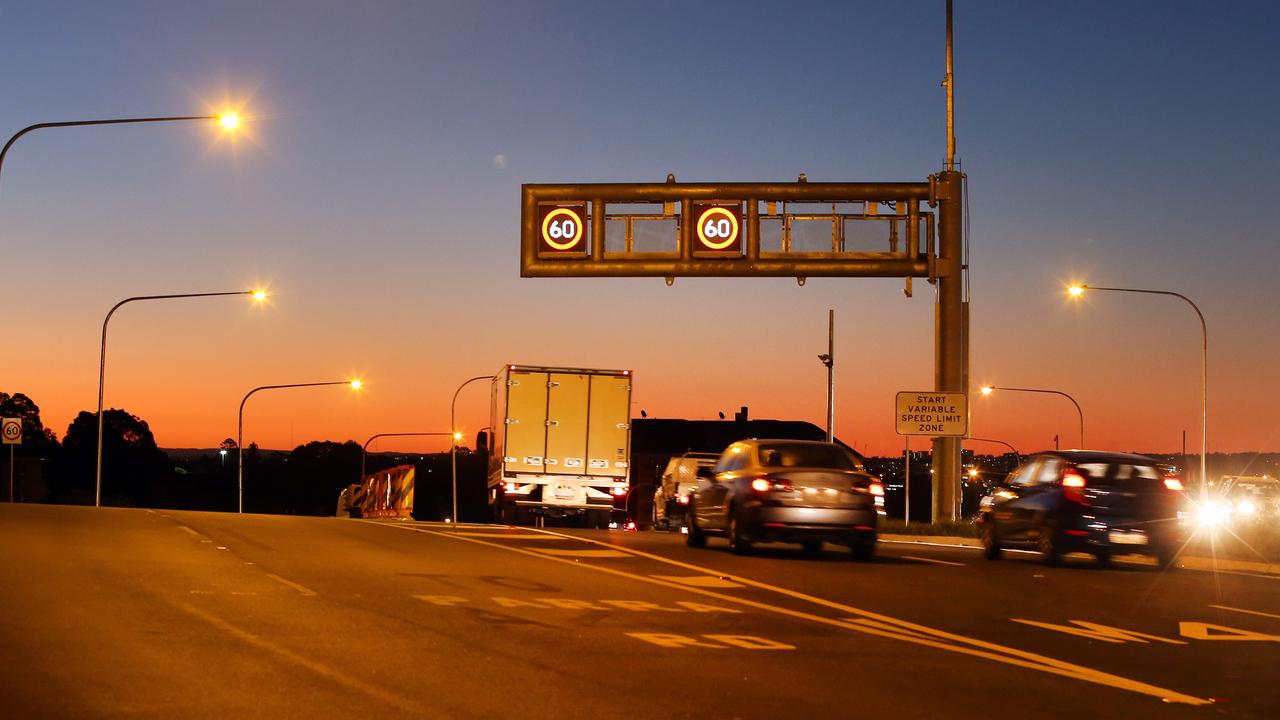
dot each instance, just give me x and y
(877, 488)
(509, 487)
(683, 499)
(1073, 485)
(767, 484)
(1173, 483)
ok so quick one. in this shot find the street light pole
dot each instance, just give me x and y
(1076, 290)
(829, 359)
(987, 389)
(1016, 454)
(228, 121)
(354, 384)
(364, 450)
(453, 446)
(102, 364)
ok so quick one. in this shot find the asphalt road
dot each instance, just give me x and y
(164, 614)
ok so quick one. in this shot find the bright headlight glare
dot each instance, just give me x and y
(1213, 513)
(1247, 507)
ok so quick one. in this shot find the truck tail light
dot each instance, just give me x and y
(509, 487)
(683, 499)
(619, 490)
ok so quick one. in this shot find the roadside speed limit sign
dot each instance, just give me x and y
(717, 230)
(11, 430)
(562, 230)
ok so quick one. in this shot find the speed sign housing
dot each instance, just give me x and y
(718, 229)
(562, 230)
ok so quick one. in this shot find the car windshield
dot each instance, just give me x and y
(806, 456)
(1104, 474)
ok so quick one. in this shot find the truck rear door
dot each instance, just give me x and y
(526, 421)
(567, 423)
(609, 431)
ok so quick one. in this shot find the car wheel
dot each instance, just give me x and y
(990, 543)
(1048, 546)
(812, 549)
(863, 550)
(695, 538)
(1166, 559)
(738, 543)
(1103, 557)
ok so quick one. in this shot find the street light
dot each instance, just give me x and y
(1078, 290)
(365, 449)
(102, 365)
(453, 448)
(353, 384)
(1017, 455)
(988, 389)
(228, 120)
(829, 359)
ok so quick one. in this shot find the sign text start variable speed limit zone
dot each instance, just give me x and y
(937, 414)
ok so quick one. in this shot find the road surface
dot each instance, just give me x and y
(165, 614)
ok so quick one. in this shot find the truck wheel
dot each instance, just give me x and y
(863, 550)
(990, 543)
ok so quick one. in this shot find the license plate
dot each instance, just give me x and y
(565, 493)
(1120, 537)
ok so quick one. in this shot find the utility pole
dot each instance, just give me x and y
(951, 341)
(829, 359)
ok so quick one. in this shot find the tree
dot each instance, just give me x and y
(37, 439)
(228, 444)
(134, 470)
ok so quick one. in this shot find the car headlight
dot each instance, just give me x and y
(1213, 513)
(1247, 507)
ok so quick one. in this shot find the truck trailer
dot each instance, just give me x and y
(561, 444)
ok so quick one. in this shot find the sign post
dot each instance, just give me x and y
(937, 415)
(11, 432)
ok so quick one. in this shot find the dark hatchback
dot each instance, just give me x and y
(1101, 503)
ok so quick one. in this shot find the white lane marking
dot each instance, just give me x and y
(583, 553)
(285, 581)
(1247, 612)
(931, 560)
(193, 533)
(933, 637)
(706, 581)
(355, 682)
(510, 536)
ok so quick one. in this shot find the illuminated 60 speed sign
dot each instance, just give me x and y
(717, 230)
(562, 230)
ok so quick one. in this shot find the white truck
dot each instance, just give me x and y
(561, 443)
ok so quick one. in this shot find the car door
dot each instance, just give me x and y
(713, 493)
(1038, 494)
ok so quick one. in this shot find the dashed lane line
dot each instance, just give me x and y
(300, 588)
(931, 560)
(510, 536)
(881, 625)
(705, 581)
(582, 553)
(1247, 612)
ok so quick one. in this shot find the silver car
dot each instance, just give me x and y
(794, 491)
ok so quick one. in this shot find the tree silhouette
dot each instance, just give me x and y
(134, 470)
(37, 440)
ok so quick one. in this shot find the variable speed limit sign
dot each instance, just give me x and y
(937, 414)
(717, 230)
(11, 430)
(562, 230)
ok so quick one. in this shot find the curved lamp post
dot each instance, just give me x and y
(230, 121)
(988, 389)
(1016, 454)
(1078, 290)
(364, 450)
(453, 444)
(102, 362)
(353, 384)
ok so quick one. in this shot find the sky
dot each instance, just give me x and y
(374, 190)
